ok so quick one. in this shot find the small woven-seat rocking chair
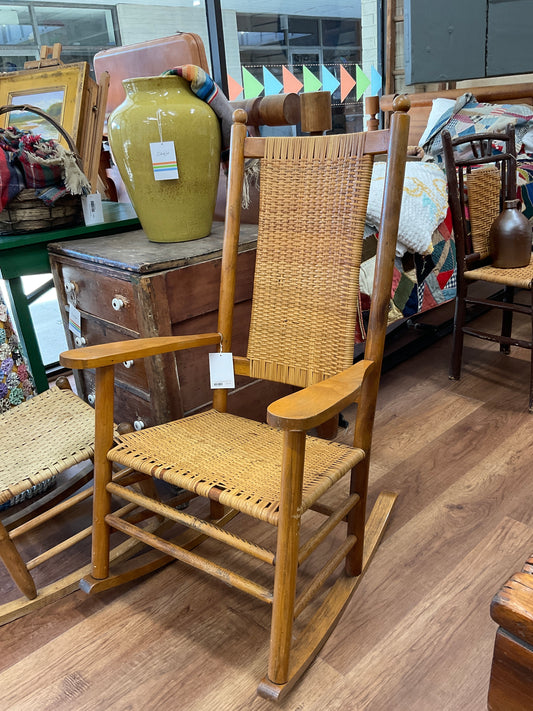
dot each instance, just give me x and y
(478, 184)
(43, 438)
(313, 201)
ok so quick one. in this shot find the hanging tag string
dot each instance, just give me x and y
(220, 342)
(159, 126)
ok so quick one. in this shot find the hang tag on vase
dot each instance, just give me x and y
(164, 160)
(221, 370)
(74, 320)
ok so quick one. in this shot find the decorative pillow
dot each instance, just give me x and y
(468, 117)
(424, 204)
(438, 108)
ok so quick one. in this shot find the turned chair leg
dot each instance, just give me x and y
(507, 318)
(531, 358)
(286, 568)
(458, 334)
(15, 565)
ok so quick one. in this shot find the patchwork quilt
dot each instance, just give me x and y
(420, 281)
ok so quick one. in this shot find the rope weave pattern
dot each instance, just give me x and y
(299, 333)
(484, 187)
(43, 437)
(521, 277)
(241, 458)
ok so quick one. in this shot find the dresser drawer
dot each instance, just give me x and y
(100, 295)
(130, 406)
(96, 332)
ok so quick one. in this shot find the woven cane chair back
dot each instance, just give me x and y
(477, 185)
(484, 187)
(306, 283)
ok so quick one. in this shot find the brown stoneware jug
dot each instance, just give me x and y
(510, 237)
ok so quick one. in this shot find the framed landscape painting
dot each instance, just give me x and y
(59, 91)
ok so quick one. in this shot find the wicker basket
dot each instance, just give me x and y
(26, 212)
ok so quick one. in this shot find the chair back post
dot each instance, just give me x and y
(386, 250)
(231, 242)
(454, 198)
(377, 325)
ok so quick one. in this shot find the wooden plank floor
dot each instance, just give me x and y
(417, 635)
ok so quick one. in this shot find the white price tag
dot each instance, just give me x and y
(92, 209)
(164, 160)
(221, 370)
(74, 320)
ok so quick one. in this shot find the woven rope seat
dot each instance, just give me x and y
(521, 277)
(42, 438)
(239, 458)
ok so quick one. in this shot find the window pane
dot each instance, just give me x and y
(303, 31)
(75, 26)
(257, 30)
(15, 25)
(339, 33)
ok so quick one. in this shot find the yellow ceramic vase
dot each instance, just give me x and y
(164, 110)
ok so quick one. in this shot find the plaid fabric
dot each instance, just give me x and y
(29, 161)
(39, 175)
(11, 179)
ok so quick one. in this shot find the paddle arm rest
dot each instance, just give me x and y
(111, 353)
(317, 403)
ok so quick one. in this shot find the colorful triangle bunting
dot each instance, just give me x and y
(362, 81)
(234, 88)
(347, 82)
(252, 87)
(376, 81)
(329, 80)
(311, 83)
(272, 85)
(290, 83)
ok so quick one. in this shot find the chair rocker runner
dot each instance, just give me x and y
(489, 179)
(314, 194)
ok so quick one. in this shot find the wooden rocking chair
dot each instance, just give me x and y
(43, 439)
(314, 194)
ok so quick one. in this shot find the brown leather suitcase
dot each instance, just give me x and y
(146, 59)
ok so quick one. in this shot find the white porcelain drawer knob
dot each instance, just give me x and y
(118, 303)
(138, 425)
(70, 287)
(80, 341)
(91, 398)
(128, 363)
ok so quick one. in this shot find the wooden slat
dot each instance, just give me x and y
(198, 524)
(325, 529)
(193, 559)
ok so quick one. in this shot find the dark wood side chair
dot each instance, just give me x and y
(478, 184)
(314, 192)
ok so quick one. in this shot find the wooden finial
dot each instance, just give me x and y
(401, 103)
(240, 116)
(125, 428)
(63, 383)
